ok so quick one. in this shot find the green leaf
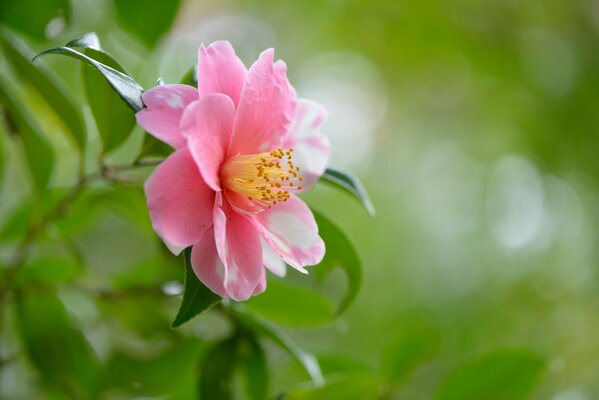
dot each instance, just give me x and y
(264, 328)
(196, 297)
(62, 356)
(32, 17)
(350, 184)
(254, 370)
(240, 355)
(41, 80)
(148, 24)
(38, 152)
(340, 253)
(406, 351)
(291, 305)
(113, 118)
(344, 387)
(216, 370)
(129, 90)
(503, 374)
(86, 41)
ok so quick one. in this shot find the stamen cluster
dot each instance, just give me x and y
(265, 178)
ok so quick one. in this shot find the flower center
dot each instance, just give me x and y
(264, 178)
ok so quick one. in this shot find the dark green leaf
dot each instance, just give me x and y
(33, 16)
(147, 23)
(38, 152)
(129, 90)
(196, 297)
(408, 350)
(345, 387)
(42, 81)
(240, 355)
(113, 118)
(262, 327)
(501, 375)
(349, 184)
(254, 371)
(217, 368)
(62, 356)
(291, 305)
(340, 253)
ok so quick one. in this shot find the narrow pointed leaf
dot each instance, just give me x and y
(129, 90)
(114, 119)
(43, 81)
(196, 297)
(264, 328)
(38, 152)
(340, 253)
(350, 184)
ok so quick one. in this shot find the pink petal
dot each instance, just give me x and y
(266, 106)
(164, 107)
(238, 245)
(220, 71)
(312, 149)
(207, 124)
(207, 264)
(290, 229)
(272, 261)
(179, 201)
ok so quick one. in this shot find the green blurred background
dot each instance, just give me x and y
(472, 124)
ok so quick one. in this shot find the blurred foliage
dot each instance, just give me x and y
(475, 126)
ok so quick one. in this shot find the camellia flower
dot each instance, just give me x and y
(245, 145)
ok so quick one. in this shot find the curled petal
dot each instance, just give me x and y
(220, 71)
(265, 108)
(164, 107)
(238, 245)
(207, 124)
(312, 149)
(290, 229)
(179, 201)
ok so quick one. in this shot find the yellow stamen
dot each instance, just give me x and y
(262, 178)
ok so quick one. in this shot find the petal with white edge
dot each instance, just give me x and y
(164, 108)
(290, 229)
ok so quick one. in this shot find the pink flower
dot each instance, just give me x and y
(245, 146)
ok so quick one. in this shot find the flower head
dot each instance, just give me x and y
(245, 146)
